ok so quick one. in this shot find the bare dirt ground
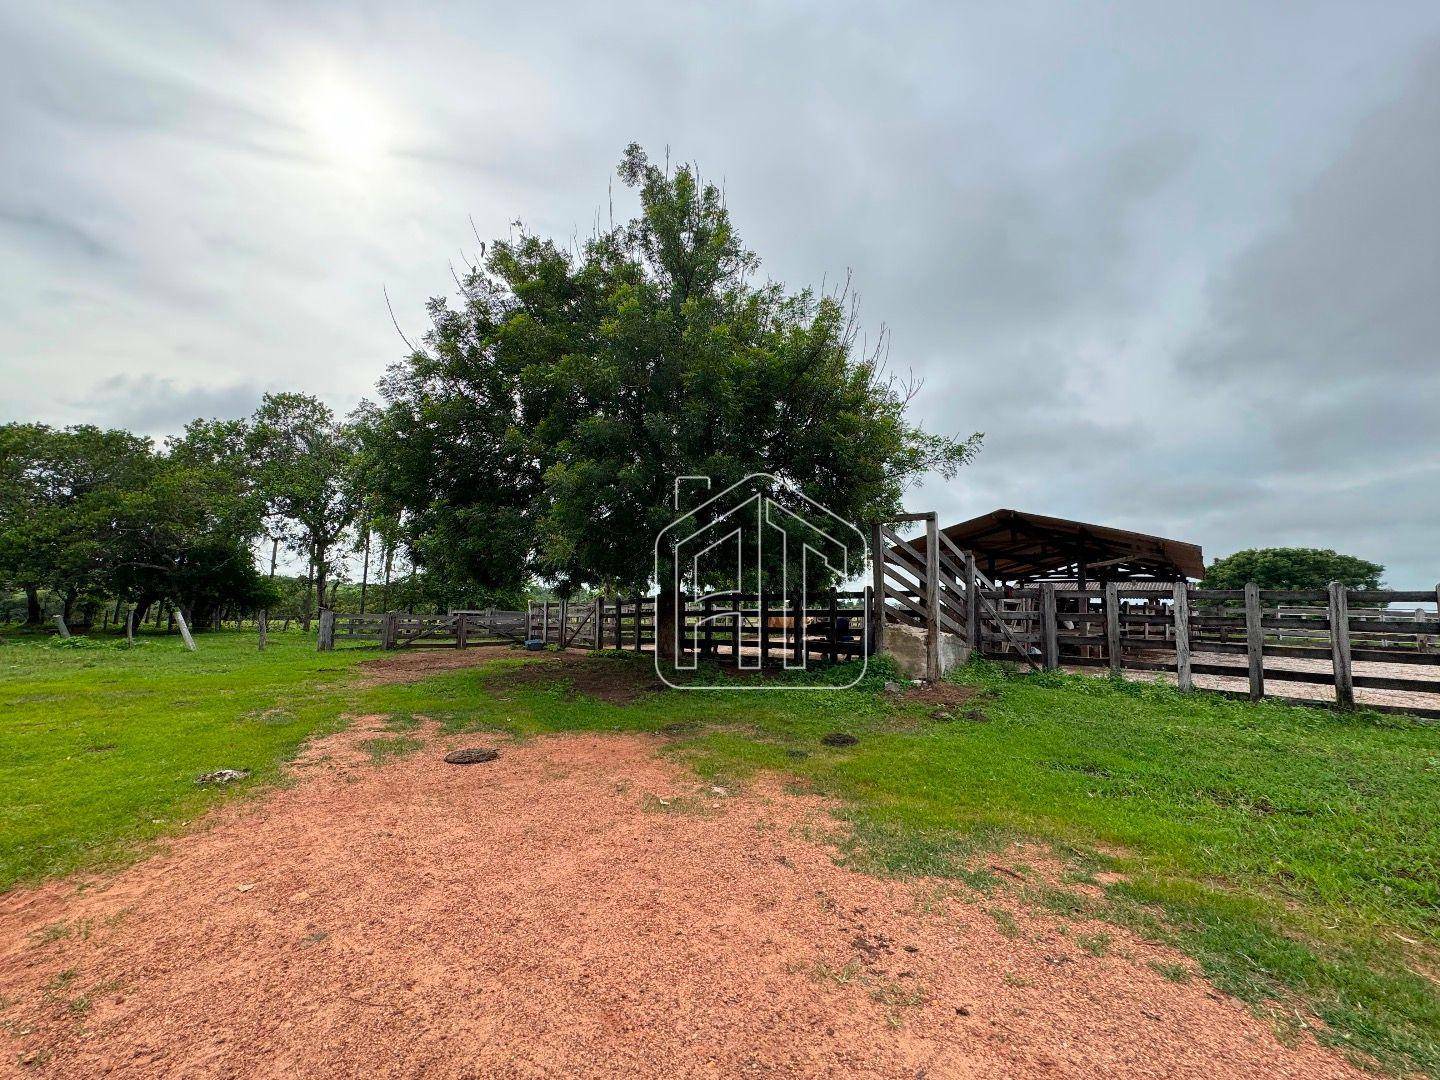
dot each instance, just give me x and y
(407, 665)
(580, 907)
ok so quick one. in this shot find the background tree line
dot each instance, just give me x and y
(96, 523)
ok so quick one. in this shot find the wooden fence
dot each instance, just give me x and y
(395, 630)
(739, 628)
(1339, 639)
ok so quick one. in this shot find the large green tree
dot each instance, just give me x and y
(541, 429)
(1291, 568)
(57, 506)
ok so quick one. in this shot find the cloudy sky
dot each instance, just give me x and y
(1180, 262)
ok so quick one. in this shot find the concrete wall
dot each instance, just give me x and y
(907, 645)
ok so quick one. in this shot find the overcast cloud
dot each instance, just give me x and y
(1180, 262)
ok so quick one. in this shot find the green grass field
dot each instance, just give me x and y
(1295, 853)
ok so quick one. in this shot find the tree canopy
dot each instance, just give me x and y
(1291, 568)
(542, 427)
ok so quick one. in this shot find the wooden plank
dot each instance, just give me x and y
(1112, 628)
(190, 641)
(932, 596)
(1340, 646)
(907, 599)
(834, 635)
(1181, 615)
(972, 603)
(1049, 626)
(877, 589)
(903, 550)
(1255, 641)
(764, 629)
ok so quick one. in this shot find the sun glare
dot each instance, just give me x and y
(346, 126)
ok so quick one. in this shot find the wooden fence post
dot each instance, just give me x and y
(877, 581)
(834, 627)
(708, 611)
(130, 626)
(932, 596)
(1340, 646)
(325, 639)
(262, 626)
(1255, 641)
(184, 630)
(972, 606)
(60, 626)
(595, 623)
(1182, 636)
(639, 626)
(764, 628)
(462, 630)
(866, 602)
(1112, 627)
(388, 630)
(545, 622)
(1049, 628)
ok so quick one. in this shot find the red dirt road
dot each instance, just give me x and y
(577, 908)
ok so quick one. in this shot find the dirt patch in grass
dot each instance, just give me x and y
(541, 916)
(603, 678)
(413, 664)
(941, 693)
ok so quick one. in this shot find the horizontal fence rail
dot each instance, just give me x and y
(395, 630)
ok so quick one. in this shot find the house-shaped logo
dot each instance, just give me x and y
(758, 538)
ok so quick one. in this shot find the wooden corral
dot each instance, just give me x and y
(742, 628)
(1193, 632)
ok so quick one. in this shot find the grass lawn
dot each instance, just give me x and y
(1293, 852)
(100, 746)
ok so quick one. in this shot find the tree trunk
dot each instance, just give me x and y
(33, 613)
(385, 593)
(321, 599)
(365, 573)
(308, 600)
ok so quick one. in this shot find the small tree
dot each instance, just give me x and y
(302, 466)
(1291, 568)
